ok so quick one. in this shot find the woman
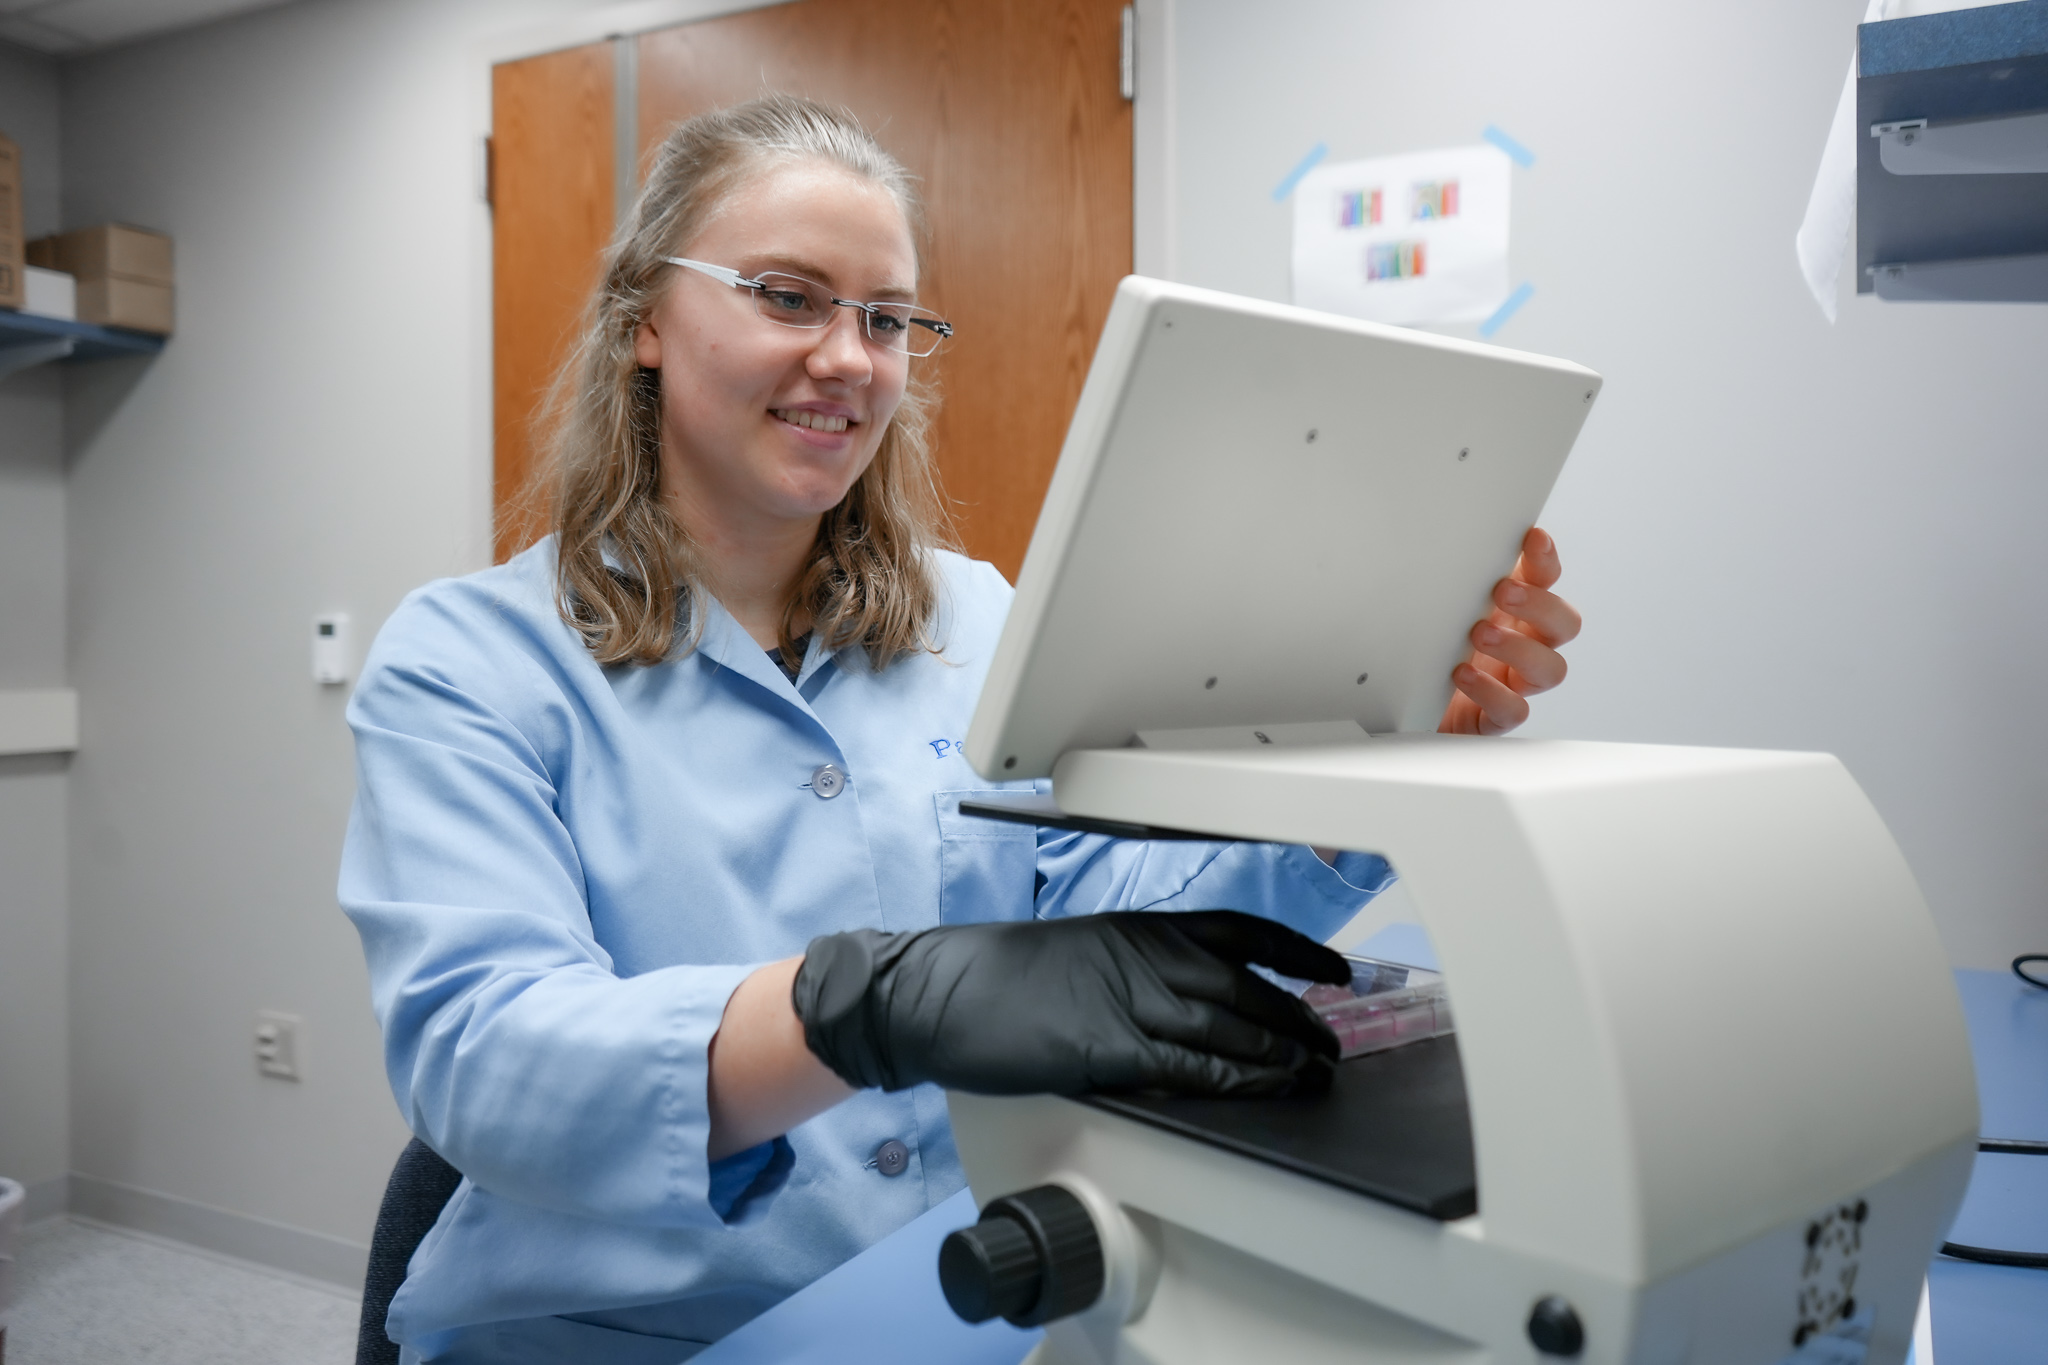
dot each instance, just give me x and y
(669, 910)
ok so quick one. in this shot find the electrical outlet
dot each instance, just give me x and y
(277, 1044)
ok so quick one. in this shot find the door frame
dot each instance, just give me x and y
(1154, 149)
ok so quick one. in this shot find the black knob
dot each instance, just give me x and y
(1033, 1257)
(990, 1270)
(1555, 1329)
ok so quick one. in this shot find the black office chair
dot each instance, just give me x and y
(420, 1187)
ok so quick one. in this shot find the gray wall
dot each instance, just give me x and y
(1783, 534)
(33, 1093)
(314, 438)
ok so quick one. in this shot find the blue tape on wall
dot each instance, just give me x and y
(1517, 153)
(1301, 168)
(1506, 310)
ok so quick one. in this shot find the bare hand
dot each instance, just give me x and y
(1514, 650)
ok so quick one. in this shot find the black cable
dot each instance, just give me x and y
(2019, 968)
(2013, 1146)
(2026, 1260)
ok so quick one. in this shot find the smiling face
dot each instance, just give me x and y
(765, 427)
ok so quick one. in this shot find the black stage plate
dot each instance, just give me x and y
(1029, 808)
(1394, 1126)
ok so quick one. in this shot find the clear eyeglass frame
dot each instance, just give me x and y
(793, 301)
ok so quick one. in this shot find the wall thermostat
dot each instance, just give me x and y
(330, 648)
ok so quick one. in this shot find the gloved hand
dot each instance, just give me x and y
(1117, 1001)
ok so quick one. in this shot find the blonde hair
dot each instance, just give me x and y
(871, 579)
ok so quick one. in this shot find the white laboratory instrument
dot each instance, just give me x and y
(1709, 1100)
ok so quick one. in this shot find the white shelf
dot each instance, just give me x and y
(39, 721)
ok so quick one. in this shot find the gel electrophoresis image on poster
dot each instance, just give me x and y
(1416, 238)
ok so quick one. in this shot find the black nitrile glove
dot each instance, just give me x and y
(1119, 1001)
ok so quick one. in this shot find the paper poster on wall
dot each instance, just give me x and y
(1416, 238)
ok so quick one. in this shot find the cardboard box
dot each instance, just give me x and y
(11, 256)
(115, 301)
(132, 253)
(123, 273)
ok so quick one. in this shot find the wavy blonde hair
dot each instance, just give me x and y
(871, 579)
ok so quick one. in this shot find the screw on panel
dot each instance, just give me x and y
(1466, 453)
(1362, 677)
(1010, 762)
(1311, 435)
(1210, 683)
(1589, 395)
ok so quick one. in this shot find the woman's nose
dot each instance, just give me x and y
(842, 350)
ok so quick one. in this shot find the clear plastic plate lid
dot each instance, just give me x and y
(1386, 1004)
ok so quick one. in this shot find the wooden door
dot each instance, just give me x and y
(1010, 112)
(551, 198)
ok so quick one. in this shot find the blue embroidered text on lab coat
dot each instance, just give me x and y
(561, 872)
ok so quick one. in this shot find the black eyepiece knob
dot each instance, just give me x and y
(1033, 1257)
(1555, 1329)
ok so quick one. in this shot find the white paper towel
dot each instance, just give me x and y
(1823, 239)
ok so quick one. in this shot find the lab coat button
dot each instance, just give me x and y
(892, 1158)
(827, 781)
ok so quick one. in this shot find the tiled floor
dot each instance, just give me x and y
(87, 1295)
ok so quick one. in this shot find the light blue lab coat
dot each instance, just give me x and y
(560, 873)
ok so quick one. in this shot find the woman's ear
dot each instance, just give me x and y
(647, 346)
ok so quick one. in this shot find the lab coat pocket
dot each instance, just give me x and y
(987, 868)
